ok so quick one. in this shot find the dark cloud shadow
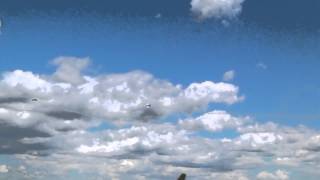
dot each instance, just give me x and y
(148, 114)
(65, 115)
(11, 136)
(8, 100)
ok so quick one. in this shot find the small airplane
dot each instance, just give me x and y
(147, 106)
(34, 99)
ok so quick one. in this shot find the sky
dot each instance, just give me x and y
(144, 89)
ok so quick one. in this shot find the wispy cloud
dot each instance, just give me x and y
(219, 9)
(278, 175)
(261, 65)
(229, 75)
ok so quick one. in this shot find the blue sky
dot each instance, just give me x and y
(201, 51)
(273, 48)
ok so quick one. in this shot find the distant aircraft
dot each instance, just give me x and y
(147, 106)
(34, 99)
(182, 176)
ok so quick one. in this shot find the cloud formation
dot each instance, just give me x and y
(229, 75)
(278, 175)
(38, 106)
(4, 169)
(214, 121)
(113, 97)
(142, 151)
(181, 147)
(218, 9)
(69, 69)
(46, 125)
(145, 150)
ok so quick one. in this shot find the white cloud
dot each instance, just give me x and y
(214, 121)
(132, 139)
(236, 175)
(278, 175)
(256, 139)
(114, 97)
(69, 69)
(212, 92)
(109, 147)
(229, 75)
(262, 65)
(4, 169)
(52, 131)
(26, 79)
(149, 148)
(219, 9)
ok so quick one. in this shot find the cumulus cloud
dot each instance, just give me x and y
(219, 9)
(278, 175)
(238, 175)
(229, 75)
(43, 106)
(69, 69)
(46, 121)
(112, 97)
(4, 169)
(214, 121)
(150, 148)
(135, 139)
(166, 145)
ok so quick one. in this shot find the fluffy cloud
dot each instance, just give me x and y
(238, 175)
(219, 9)
(214, 121)
(147, 149)
(46, 122)
(113, 97)
(278, 175)
(34, 107)
(169, 145)
(134, 139)
(166, 145)
(4, 169)
(229, 75)
(69, 69)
